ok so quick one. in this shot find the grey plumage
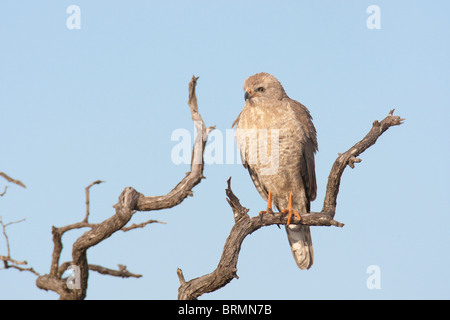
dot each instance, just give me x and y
(277, 140)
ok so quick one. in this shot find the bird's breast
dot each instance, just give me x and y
(269, 137)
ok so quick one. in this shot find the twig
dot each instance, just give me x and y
(122, 272)
(9, 179)
(13, 266)
(87, 198)
(140, 225)
(4, 225)
(181, 277)
(2, 194)
(7, 259)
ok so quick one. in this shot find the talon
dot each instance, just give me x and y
(290, 211)
(269, 206)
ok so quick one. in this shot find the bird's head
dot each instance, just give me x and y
(263, 87)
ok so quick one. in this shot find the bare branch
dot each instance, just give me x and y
(4, 191)
(58, 246)
(7, 259)
(185, 186)
(238, 210)
(130, 201)
(58, 233)
(349, 158)
(181, 276)
(4, 225)
(122, 272)
(14, 266)
(140, 225)
(47, 282)
(102, 231)
(87, 198)
(9, 179)
(97, 233)
(244, 225)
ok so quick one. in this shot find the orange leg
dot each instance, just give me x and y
(290, 211)
(269, 205)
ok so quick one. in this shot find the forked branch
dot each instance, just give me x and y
(350, 158)
(185, 186)
(244, 225)
(130, 201)
(8, 261)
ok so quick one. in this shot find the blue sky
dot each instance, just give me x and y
(102, 102)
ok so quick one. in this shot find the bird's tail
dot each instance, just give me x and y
(299, 237)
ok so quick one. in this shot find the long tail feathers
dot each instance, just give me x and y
(299, 237)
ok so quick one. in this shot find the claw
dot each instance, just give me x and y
(290, 211)
(269, 206)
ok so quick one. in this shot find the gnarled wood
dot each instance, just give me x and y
(244, 225)
(129, 202)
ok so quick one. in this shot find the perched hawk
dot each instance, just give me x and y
(277, 140)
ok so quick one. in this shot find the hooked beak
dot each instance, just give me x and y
(246, 96)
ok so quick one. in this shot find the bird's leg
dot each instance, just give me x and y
(269, 206)
(290, 211)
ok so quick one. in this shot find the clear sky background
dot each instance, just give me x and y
(102, 103)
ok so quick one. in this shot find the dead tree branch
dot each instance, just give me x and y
(130, 201)
(140, 225)
(87, 198)
(185, 186)
(9, 262)
(9, 179)
(244, 225)
(349, 158)
(122, 272)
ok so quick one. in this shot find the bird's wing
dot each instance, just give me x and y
(235, 123)
(253, 174)
(259, 186)
(307, 166)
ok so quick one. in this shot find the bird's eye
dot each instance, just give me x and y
(261, 89)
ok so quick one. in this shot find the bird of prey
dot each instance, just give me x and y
(277, 141)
